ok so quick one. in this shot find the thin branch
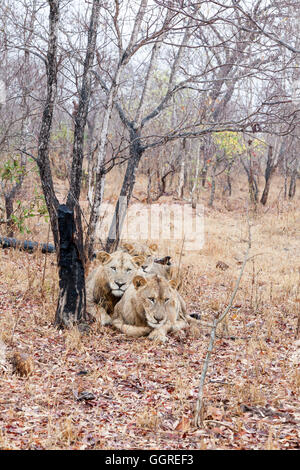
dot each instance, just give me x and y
(217, 320)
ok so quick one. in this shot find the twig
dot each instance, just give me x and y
(199, 403)
(220, 423)
(216, 322)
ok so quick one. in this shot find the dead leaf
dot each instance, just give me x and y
(184, 424)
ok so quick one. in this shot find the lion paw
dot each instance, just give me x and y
(105, 319)
(157, 336)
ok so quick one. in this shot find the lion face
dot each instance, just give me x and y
(142, 249)
(157, 297)
(119, 268)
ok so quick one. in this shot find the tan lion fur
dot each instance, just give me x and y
(150, 306)
(108, 281)
(149, 266)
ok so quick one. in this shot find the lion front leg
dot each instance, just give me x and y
(95, 309)
(90, 304)
(130, 330)
(160, 334)
(179, 325)
(98, 313)
(105, 319)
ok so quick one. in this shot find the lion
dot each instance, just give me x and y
(148, 251)
(138, 248)
(150, 306)
(152, 265)
(107, 283)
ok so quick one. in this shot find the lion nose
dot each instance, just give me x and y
(158, 319)
(120, 284)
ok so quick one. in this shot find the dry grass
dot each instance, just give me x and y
(144, 393)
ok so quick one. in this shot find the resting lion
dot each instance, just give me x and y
(148, 251)
(150, 306)
(152, 264)
(108, 281)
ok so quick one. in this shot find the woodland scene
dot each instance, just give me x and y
(149, 225)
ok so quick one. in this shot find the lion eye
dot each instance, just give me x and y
(167, 300)
(152, 299)
(113, 268)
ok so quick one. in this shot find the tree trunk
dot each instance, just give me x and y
(9, 209)
(43, 160)
(253, 188)
(90, 159)
(270, 170)
(228, 184)
(10, 195)
(265, 193)
(67, 230)
(292, 187)
(136, 152)
(195, 181)
(213, 185)
(71, 306)
(149, 184)
(182, 170)
(285, 177)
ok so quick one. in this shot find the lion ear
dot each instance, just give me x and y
(128, 247)
(164, 261)
(173, 283)
(139, 281)
(103, 257)
(138, 259)
(153, 247)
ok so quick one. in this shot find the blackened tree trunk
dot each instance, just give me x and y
(71, 306)
(66, 219)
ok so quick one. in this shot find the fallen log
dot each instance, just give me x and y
(26, 245)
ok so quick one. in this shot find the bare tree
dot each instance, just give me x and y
(71, 306)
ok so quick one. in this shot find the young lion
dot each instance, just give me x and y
(150, 306)
(107, 282)
(152, 265)
(148, 251)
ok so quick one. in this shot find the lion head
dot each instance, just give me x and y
(157, 298)
(118, 270)
(148, 252)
